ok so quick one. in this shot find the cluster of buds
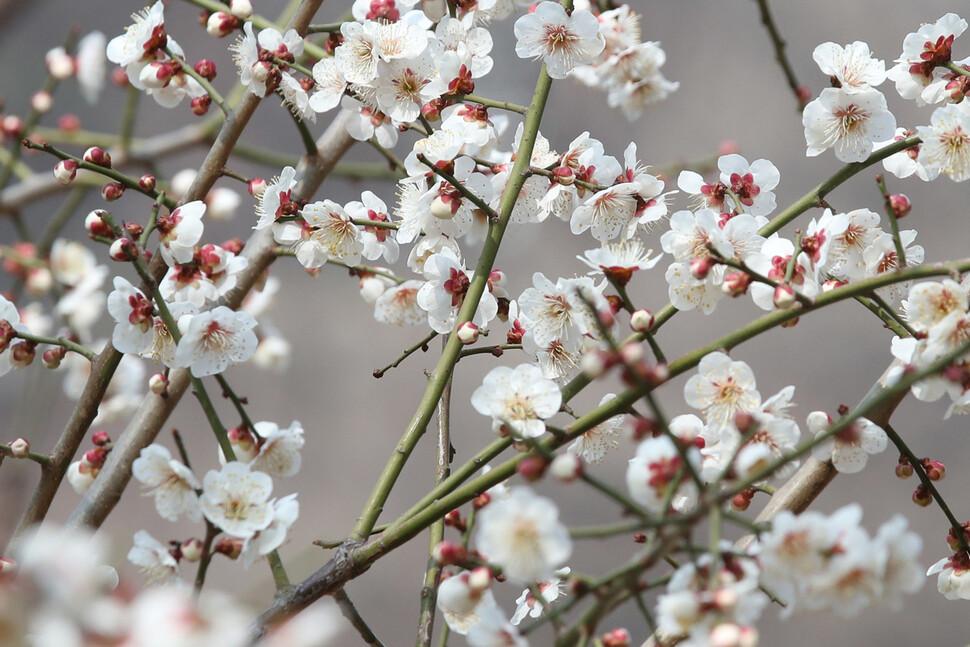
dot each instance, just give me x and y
(618, 637)
(81, 474)
(454, 520)
(447, 553)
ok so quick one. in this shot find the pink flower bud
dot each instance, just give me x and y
(96, 225)
(69, 123)
(904, 470)
(112, 191)
(922, 497)
(41, 102)
(231, 547)
(784, 297)
(221, 24)
(158, 74)
(200, 105)
(532, 468)
(447, 553)
(700, 267)
(60, 64)
(567, 467)
(432, 111)
(741, 501)
(12, 126)
(19, 448)
(935, 470)
(158, 384)
(564, 175)
(257, 186)
(122, 249)
(22, 354)
(641, 320)
(900, 204)
(191, 549)
(206, 69)
(147, 183)
(594, 363)
(744, 421)
(632, 353)
(51, 358)
(97, 156)
(735, 284)
(468, 333)
(101, 438)
(617, 638)
(65, 171)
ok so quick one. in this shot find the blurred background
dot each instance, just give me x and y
(731, 90)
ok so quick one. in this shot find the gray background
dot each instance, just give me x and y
(731, 89)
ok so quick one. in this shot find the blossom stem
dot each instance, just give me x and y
(58, 341)
(377, 224)
(325, 28)
(779, 44)
(180, 445)
(423, 345)
(953, 67)
(396, 165)
(461, 188)
(896, 317)
(40, 459)
(491, 103)
(117, 176)
(496, 350)
(607, 530)
(535, 170)
(925, 480)
(629, 307)
(237, 402)
(350, 612)
(210, 534)
(280, 578)
(128, 120)
(893, 221)
(309, 144)
(760, 278)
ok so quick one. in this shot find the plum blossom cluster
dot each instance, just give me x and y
(58, 589)
(816, 562)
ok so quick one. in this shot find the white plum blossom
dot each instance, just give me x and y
(657, 474)
(849, 450)
(722, 388)
(954, 576)
(593, 444)
(772, 262)
(137, 330)
(946, 143)
(404, 85)
(275, 201)
(377, 241)
(90, 65)
(518, 400)
(554, 311)
(881, 256)
(172, 483)
(849, 123)
(753, 184)
(552, 590)
(523, 535)
(330, 86)
(563, 42)
(846, 256)
(461, 604)
(619, 261)
(918, 73)
(180, 231)
(906, 162)
(367, 122)
(326, 233)
(493, 629)
(154, 558)
(852, 66)
(279, 449)
(398, 305)
(443, 293)
(236, 499)
(214, 340)
(285, 512)
(142, 38)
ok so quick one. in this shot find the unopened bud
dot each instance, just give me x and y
(122, 249)
(432, 111)
(743, 421)
(69, 123)
(101, 438)
(221, 24)
(784, 297)
(22, 354)
(231, 547)
(700, 267)
(479, 579)
(468, 333)
(735, 284)
(935, 470)
(158, 384)
(564, 175)
(567, 467)
(257, 186)
(441, 209)
(19, 448)
(12, 126)
(206, 69)
(147, 183)
(641, 320)
(447, 553)
(98, 156)
(51, 358)
(60, 64)
(41, 102)
(741, 501)
(96, 225)
(481, 500)
(922, 496)
(200, 105)
(532, 468)
(904, 470)
(112, 191)
(900, 204)
(726, 634)
(632, 353)
(191, 549)
(617, 638)
(594, 363)
(241, 8)
(65, 171)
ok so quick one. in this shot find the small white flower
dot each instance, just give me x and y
(722, 388)
(519, 398)
(265, 541)
(563, 42)
(460, 604)
(852, 65)
(849, 123)
(528, 605)
(154, 558)
(171, 482)
(275, 200)
(398, 305)
(326, 233)
(849, 449)
(215, 340)
(594, 443)
(946, 143)
(657, 472)
(180, 231)
(523, 535)
(142, 38)
(279, 449)
(236, 500)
